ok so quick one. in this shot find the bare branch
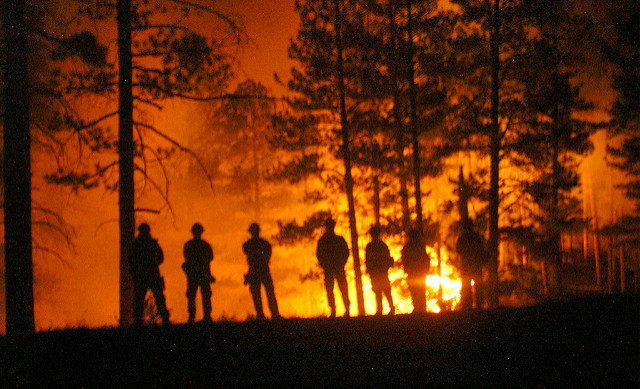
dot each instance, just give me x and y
(158, 188)
(148, 102)
(39, 247)
(101, 171)
(105, 223)
(164, 170)
(160, 26)
(147, 210)
(239, 33)
(150, 70)
(53, 227)
(182, 148)
(97, 121)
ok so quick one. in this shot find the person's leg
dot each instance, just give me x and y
(192, 289)
(254, 288)
(271, 296)
(328, 285)
(158, 295)
(387, 292)
(418, 292)
(377, 289)
(378, 302)
(479, 287)
(139, 293)
(466, 293)
(205, 291)
(344, 290)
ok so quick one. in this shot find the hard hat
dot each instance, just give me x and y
(197, 228)
(144, 228)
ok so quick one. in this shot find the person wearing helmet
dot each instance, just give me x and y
(473, 256)
(145, 257)
(378, 261)
(197, 257)
(332, 253)
(416, 262)
(258, 252)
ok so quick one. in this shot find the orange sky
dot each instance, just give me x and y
(270, 24)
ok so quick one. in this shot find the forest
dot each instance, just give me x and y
(398, 113)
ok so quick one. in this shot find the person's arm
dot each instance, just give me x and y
(160, 254)
(268, 250)
(185, 251)
(209, 253)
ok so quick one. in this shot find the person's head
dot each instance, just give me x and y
(254, 229)
(375, 232)
(144, 229)
(330, 224)
(197, 230)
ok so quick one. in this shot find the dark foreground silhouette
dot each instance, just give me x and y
(591, 342)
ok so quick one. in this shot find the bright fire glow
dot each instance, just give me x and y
(448, 278)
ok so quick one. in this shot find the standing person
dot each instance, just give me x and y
(197, 257)
(473, 256)
(378, 261)
(416, 262)
(332, 253)
(146, 255)
(258, 252)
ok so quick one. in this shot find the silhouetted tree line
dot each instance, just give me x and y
(385, 95)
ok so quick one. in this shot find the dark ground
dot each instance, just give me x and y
(590, 342)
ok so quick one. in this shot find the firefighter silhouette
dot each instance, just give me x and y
(416, 262)
(258, 252)
(471, 250)
(378, 261)
(473, 256)
(332, 253)
(197, 257)
(145, 257)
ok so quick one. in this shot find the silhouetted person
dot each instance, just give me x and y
(146, 256)
(473, 256)
(378, 261)
(197, 257)
(416, 262)
(258, 252)
(332, 253)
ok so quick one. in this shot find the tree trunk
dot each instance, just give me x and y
(585, 230)
(556, 239)
(399, 128)
(125, 151)
(622, 271)
(417, 171)
(596, 235)
(494, 152)
(257, 204)
(17, 170)
(610, 265)
(347, 164)
(376, 198)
